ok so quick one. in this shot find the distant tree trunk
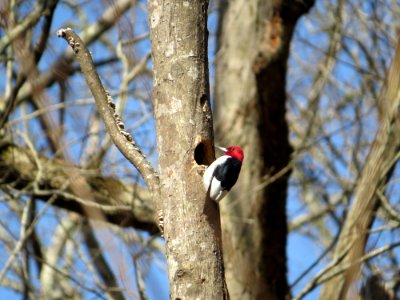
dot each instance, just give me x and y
(377, 170)
(250, 110)
(178, 31)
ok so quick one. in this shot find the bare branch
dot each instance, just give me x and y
(326, 274)
(26, 24)
(121, 138)
(63, 67)
(17, 169)
(387, 207)
(100, 263)
(377, 171)
(49, 277)
(25, 233)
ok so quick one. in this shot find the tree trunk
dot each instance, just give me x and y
(250, 111)
(178, 32)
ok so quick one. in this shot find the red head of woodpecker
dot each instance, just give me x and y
(223, 173)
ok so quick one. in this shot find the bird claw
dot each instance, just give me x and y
(201, 169)
(161, 222)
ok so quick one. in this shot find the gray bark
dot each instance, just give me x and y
(178, 32)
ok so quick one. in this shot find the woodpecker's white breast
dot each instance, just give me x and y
(211, 184)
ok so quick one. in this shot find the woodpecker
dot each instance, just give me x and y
(223, 173)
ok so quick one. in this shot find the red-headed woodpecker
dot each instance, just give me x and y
(223, 173)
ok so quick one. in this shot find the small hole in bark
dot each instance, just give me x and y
(204, 154)
(203, 99)
(199, 153)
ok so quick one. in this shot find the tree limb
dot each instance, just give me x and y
(100, 263)
(63, 65)
(123, 140)
(377, 171)
(18, 170)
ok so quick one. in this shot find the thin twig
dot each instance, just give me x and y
(322, 276)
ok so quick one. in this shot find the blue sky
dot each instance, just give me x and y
(301, 250)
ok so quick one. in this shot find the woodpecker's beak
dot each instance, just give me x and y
(221, 148)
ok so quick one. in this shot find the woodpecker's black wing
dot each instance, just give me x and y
(228, 173)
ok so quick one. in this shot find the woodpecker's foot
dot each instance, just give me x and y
(161, 222)
(201, 169)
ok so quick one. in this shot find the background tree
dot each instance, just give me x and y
(251, 111)
(309, 99)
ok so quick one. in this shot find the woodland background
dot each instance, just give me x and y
(304, 87)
